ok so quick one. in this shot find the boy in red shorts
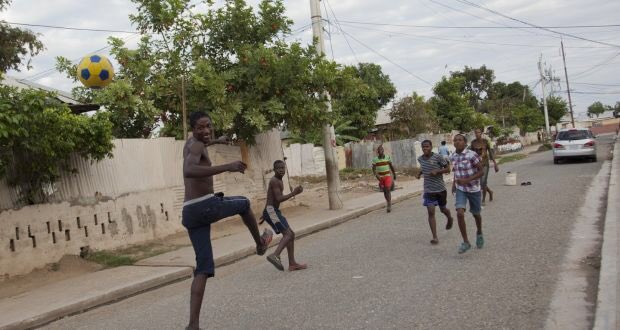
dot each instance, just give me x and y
(384, 171)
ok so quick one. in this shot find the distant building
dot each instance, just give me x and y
(64, 97)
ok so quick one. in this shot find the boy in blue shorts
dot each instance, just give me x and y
(203, 207)
(468, 170)
(273, 216)
(433, 167)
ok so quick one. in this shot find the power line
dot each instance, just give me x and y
(593, 84)
(536, 26)
(480, 27)
(456, 40)
(598, 65)
(387, 59)
(70, 28)
(340, 28)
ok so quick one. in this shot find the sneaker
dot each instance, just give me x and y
(464, 247)
(479, 241)
(276, 262)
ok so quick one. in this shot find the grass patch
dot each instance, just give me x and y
(511, 158)
(110, 259)
(130, 255)
(544, 147)
(354, 173)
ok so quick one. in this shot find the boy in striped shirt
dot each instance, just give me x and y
(433, 167)
(383, 170)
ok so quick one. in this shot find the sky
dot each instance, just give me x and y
(416, 42)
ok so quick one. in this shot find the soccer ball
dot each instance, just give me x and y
(95, 71)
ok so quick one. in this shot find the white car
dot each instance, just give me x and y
(574, 143)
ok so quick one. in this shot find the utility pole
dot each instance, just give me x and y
(184, 108)
(543, 82)
(570, 101)
(329, 136)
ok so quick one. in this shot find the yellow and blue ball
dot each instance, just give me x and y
(95, 71)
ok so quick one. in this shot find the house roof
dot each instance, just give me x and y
(383, 116)
(65, 97)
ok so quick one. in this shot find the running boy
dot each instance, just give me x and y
(433, 167)
(466, 184)
(277, 221)
(383, 170)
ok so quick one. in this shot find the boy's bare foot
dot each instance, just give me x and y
(490, 196)
(434, 241)
(266, 238)
(292, 268)
(275, 261)
(389, 208)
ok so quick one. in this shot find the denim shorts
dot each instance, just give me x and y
(275, 219)
(198, 215)
(474, 198)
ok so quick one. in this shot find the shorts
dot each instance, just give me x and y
(386, 181)
(198, 215)
(474, 198)
(485, 176)
(275, 219)
(435, 199)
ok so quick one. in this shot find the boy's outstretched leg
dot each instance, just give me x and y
(460, 215)
(479, 237)
(388, 198)
(448, 215)
(287, 237)
(290, 250)
(262, 243)
(432, 223)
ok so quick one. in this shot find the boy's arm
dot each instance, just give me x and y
(279, 195)
(393, 171)
(374, 171)
(193, 169)
(492, 156)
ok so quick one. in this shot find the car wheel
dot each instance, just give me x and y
(556, 161)
(593, 159)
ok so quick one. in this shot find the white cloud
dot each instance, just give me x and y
(422, 51)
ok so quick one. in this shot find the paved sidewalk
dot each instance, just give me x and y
(607, 309)
(76, 295)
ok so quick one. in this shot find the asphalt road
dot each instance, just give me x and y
(380, 272)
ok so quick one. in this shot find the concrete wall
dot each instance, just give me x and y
(308, 160)
(135, 197)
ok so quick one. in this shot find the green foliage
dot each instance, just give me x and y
(368, 91)
(556, 109)
(528, 119)
(38, 135)
(510, 158)
(315, 136)
(412, 115)
(452, 107)
(476, 84)
(16, 44)
(596, 109)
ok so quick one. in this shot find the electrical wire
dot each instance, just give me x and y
(340, 28)
(70, 28)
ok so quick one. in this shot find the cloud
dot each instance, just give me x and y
(427, 52)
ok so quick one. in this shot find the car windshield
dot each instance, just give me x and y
(574, 135)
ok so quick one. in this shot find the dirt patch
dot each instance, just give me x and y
(68, 267)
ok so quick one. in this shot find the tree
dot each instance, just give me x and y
(412, 115)
(597, 108)
(315, 137)
(38, 134)
(528, 119)
(556, 109)
(16, 44)
(233, 63)
(476, 84)
(617, 110)
(452, 108)
(372, 90)
(502, 98)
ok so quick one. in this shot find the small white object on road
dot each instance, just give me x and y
(511, 179)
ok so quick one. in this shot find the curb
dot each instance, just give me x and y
(86, 304)
(606, 306)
